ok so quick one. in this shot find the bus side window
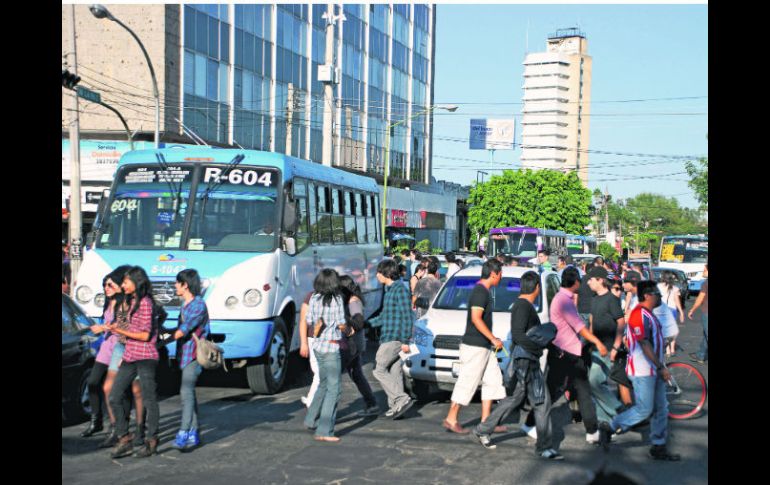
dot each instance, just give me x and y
(338, 221)
(360, 218)
(350, 220)
(324, 218)
(300, 197)
(371, 220)
(312, 209)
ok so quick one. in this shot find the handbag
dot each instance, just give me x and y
(208, 354)
(618, 369)
(319, 327)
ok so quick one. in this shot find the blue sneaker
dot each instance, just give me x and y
(181, 439)
(193, 440)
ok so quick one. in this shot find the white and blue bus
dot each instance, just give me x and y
(257, 226)
(688, 253)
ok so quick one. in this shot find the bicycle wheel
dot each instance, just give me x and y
(688, 396)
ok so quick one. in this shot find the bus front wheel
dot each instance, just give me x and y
(267, 374)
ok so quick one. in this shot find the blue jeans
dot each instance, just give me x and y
(190, 375)
(322, 412)
(703, 353)
(649, 399)
(606, 401)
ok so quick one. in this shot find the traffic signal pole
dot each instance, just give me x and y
(75, 222)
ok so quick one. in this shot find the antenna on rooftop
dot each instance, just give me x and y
(526, 48)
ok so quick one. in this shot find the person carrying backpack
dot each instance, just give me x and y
(193, 321)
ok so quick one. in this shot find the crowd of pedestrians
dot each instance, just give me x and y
(595, 337)
(124, 374)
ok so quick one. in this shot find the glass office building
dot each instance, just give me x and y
(250, 78)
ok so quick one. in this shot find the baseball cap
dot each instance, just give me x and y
(632, 276)
(597, 272)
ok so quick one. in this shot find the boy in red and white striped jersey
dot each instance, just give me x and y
(647, 371)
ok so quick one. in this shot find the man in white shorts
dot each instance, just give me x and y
(477, 353)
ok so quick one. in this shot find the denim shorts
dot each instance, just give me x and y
(117, 357)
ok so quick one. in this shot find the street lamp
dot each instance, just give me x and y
(450, 107)
(101, 12)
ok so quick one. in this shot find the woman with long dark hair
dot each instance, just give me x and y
(193, 318)
(139, 358)
(354, 312)
(113, 298)
(326, 309)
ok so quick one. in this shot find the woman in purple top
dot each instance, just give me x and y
(113, 296)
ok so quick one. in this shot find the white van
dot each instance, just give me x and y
(434, 360)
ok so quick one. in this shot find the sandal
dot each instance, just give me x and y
(331, 439)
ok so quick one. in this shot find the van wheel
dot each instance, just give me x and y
(420, 390)
(268, 373)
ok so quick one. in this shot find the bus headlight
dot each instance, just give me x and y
(99, 300)
(231, 302)
(252, 298)
(84, 294)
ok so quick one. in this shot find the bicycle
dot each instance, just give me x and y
(686, 392)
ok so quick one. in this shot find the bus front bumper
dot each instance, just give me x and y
(240, 339)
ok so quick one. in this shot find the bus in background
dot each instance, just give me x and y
(257, 226)
(688, 253)
(523, 242)
(580, 244)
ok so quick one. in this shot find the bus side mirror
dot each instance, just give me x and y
(91, 236)
(290, 217)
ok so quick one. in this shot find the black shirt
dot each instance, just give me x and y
(606, 310)
(479, 298)
(585, 295)
(523, 317)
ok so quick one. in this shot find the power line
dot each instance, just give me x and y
(308, 122)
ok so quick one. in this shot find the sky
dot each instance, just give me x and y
(640, 52)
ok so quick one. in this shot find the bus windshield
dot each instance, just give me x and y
(684, 250)
(231, 212)
(516, 244)
(147, 208)
(237, 212)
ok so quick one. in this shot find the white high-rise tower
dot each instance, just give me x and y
(557, 104)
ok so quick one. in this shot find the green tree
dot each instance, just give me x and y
(699, 180)
(607, 250)
(423, 246)
(542, 198)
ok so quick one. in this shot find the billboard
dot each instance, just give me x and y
(492, 134)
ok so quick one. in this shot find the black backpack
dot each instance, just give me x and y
(159, 315)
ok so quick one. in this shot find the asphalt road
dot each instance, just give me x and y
(261, 439)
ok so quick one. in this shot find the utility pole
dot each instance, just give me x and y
(75, 212)
(289, 115)
(606, 212)
(328, 89)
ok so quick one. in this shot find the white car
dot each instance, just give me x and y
(433, 363)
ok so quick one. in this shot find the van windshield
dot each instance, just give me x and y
(457, 291)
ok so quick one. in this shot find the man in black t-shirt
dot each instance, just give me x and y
(607, 324)
(584, 296)
(530, 381)
(478, 362)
